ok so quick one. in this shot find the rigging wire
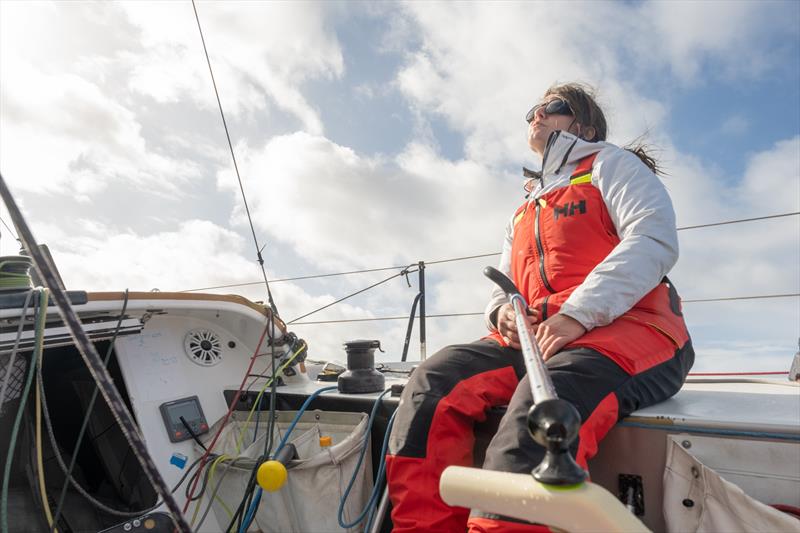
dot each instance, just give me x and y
(756, 297)
(235, 165)
(401, 273)
(463, 258)
(446, 315)
(712, 224)
(381, 318)
(9, 229)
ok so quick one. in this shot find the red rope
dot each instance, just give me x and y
(738, 373)
(228, 414)
(791, 510)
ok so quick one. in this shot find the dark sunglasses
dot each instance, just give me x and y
(553, 107)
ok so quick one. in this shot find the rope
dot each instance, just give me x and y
(227, 468)
(257, 401)
(91, 358)
(14, 273)
(380, 318)
(401, 273)
(760, 381)
(235, 165)
(267, 326)
(14, 351)
(40, 313)
(738, 373)
(63, 466)
(712, 224)
(38, 439)
(463, 258)
(446, 315)
(11, 231)
(757, 297)
(89, 409)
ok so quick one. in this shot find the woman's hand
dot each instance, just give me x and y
(555, 333)
(507, 324)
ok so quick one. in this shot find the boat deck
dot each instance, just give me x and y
(742, 406)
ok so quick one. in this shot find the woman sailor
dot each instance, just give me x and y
(589, 250)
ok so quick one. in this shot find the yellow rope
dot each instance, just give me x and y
(214, 464)
(211, 479)
(198, 505)
(261, 393)
(39, 463)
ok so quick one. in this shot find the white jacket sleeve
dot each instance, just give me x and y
(498, 297)
(642, 213)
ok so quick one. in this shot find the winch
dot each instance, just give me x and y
(361, 376)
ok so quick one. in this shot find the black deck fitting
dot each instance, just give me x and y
(554, 424)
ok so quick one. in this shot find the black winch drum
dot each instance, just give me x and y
(361, 376)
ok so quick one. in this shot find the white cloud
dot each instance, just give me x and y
(717, 357)
(739, 259)
(65, 127)
(482, 67)
(746, 259)
(197, 253)
(92, 111)
(69, 125)
(256, 50)
(734, 35)
(338, 208)
(771, 182)
(75, 138)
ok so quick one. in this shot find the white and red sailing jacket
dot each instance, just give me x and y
(594, 241)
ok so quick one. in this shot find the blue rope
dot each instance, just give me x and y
(251, 512)
(373, 496)
(381, 471)
(299, 414)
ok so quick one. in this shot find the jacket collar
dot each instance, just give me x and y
(561, 150)
(564, 148)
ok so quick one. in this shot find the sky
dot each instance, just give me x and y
(372, 135)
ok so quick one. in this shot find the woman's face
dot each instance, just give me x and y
(543, 124)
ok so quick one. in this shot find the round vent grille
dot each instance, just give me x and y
(203, 347)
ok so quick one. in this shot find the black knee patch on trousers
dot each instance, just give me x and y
(434, 379)
(581, 376)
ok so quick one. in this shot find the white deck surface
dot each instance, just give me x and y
(748, 407)
(770, 407)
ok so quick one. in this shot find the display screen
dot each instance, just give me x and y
(187, 410)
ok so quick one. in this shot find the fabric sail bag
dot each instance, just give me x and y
(317, 479)
(717, 504)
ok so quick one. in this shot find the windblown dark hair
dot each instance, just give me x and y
(582, 101)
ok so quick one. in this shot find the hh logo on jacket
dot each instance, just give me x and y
(569, 209)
